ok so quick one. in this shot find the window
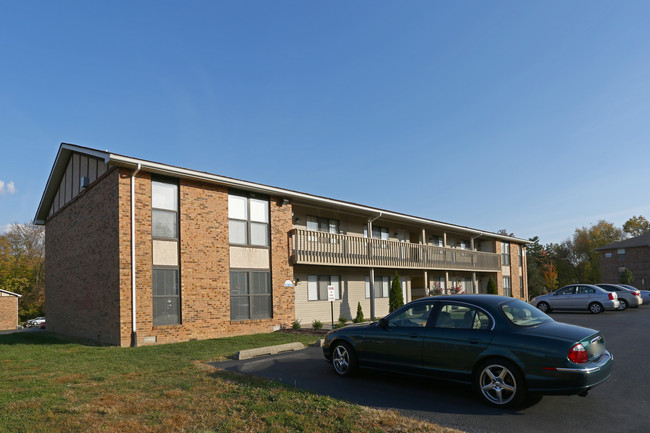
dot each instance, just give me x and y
(327, 225)
(436, 240)
(164, 210)
(521, 287)
(415, 316)
(166, 297)
(250, 295)
(522, 314)
(248, 220)
(571, 290)
(621, 253)
(505, 254)
(377, 232)
(382, 287)
(582, 290)
(507, 287)
(462, 317)
(317, 287)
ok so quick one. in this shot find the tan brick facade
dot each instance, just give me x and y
(82, 278)
(88, 245)
(8, 311)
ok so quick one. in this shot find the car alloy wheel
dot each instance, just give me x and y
(595, 308)
(500, 383)
(343, 359)
(543, 307)
(622, 304)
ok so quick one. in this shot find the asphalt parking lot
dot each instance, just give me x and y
(621, 404)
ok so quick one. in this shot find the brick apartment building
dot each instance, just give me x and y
(8, 310)
(139, 252)
(632, 254)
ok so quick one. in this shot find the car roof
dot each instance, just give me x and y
(480, 299)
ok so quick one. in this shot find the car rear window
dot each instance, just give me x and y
(523, 314)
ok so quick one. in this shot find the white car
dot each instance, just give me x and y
(35, 323)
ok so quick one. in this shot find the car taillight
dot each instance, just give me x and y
(612, 296)
(578, 354)
(637, 293)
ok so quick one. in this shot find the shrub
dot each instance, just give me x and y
(395, 299)
(342, 322)
(295, 324)
(626, 277)
(359, 317)
(492, 286)
(317, 324)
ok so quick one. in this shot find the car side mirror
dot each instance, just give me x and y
(383, 323)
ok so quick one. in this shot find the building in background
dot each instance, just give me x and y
(8, 310)
(632, 254)
(139, 252)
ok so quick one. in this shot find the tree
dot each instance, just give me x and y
(492, 287)
(395, 299)
(536, 284)
(22, 267)
(626, 277)
(636, 226)
(359, 317)
(549, 272)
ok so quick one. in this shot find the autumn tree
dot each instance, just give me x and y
(22, 267)
(636, 226)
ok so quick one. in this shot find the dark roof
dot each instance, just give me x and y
(639, 241)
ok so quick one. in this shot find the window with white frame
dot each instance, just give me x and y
(381, 286)
(164, 210)
(317, 287)
(377, 232)
(507, 287)
(248, 220)
(327, 225)
(505, 254)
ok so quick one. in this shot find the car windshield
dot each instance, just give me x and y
(523, 314)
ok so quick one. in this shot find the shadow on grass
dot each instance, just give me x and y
(40, 338)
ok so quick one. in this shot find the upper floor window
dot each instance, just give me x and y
(621, 253)
(164, 209)
(248, 220)
(327, 225)
(377, 232)
(507, 286)
(505, 253)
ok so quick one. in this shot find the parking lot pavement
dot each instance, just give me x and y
(621, 404)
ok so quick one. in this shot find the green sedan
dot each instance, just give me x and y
(504, 347)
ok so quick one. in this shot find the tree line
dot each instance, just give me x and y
(22, 267)
(576, 260)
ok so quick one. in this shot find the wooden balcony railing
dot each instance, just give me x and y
(321, 248)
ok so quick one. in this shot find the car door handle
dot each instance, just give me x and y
(474, 340)
(414, 335)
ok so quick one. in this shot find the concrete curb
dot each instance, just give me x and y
(270, 350)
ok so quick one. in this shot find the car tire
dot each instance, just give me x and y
(344, 360)
(544, 307)
(498, 382)
(595, 308)
(622, 305)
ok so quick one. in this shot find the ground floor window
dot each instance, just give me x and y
(381, 286)
(250, 295)
(507, 288)
(317, 287)
(166, 297)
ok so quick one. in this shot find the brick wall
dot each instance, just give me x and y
(82, 279)
(637, 260)
(8, 312)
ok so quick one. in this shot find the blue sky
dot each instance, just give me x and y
(528, 116)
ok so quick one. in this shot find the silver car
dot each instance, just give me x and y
(577, 297)
(645, 294)
(626, 297)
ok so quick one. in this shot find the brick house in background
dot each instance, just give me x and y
(8, 310)
(139, 252)
(632, 254)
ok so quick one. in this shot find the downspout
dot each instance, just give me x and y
(372, 269)
(134, 329)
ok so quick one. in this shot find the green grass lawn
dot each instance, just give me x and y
(52, 385)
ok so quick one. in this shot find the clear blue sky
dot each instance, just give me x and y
(528, 116)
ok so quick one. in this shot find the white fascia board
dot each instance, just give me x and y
(164, 169)
(11, 293)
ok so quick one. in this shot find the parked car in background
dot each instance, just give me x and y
(577, 297)
(35, 323)
(645, 294)
(504, 347)
(626, 297)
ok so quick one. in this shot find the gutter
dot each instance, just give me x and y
(134, 329)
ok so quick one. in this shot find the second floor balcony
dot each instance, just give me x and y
(321, 248)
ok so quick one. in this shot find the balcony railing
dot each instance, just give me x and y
(321, 248)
